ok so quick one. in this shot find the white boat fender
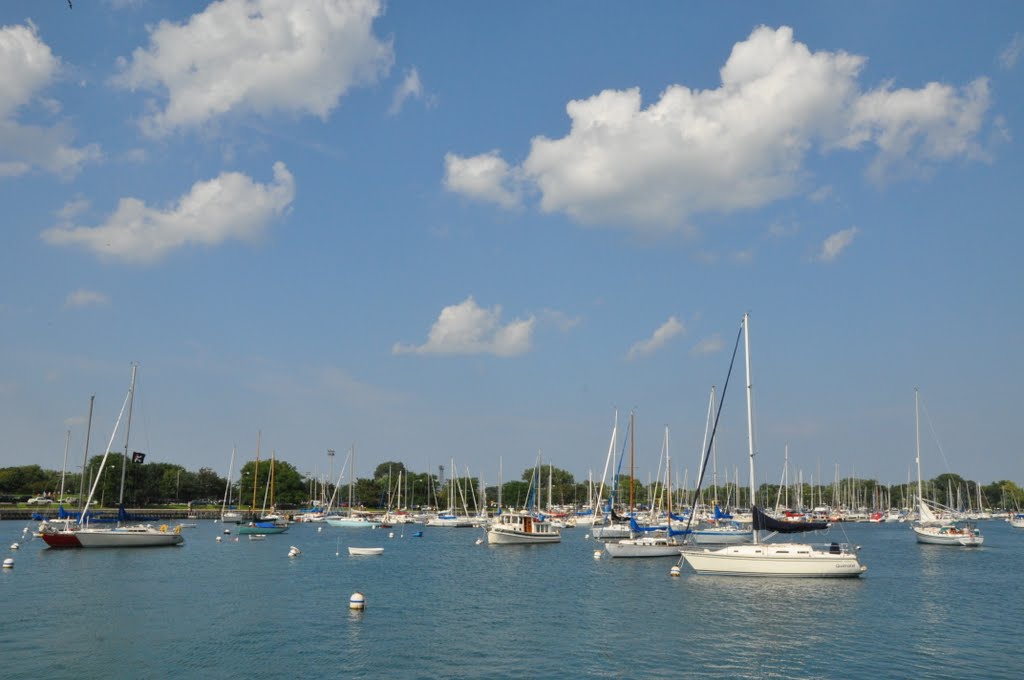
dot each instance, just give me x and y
(9, 563)
(357, 601)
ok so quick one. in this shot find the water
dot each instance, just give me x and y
(441, 606)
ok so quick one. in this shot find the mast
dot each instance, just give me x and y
(256, 473)
(917, 439)
(85, 459)
(227, 487)
(127, 432)
(63, 470)
(750, 411)
(631, 440)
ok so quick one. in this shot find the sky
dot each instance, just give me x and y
(474, 233)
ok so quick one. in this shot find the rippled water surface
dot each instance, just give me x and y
(441, 606)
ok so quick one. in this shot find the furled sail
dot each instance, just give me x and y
(765, 523)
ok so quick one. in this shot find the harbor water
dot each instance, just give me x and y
(442, 605)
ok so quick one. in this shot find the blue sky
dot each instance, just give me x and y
(472, 231)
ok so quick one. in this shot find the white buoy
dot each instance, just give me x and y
(391, 534)
(319, 529)
(586, 536)
(597, 554)
(293, 552)
(219, 539)
(9, 563)
(227, 531)
(15, 546)
(357, 601)
(674, 571)
(479, 541)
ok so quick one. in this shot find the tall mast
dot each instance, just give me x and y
(750, 410)
(917, 439)
(127, 431)
(63, 470)
(631, 439)
(256, 472)
(85, 459)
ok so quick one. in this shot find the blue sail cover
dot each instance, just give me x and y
(765, 523)
(636, 528)
(721, 515)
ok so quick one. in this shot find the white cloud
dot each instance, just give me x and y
(467, 328)
(709, 345)
(662, 335)
(83, 298)
(230, 206)
(1009, 57)
(739, 146)
(409, 88)
(835, 244)
(259, 56)
(485, 177)
(914, 128)
(29, 66)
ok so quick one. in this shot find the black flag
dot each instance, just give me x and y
(138, 457)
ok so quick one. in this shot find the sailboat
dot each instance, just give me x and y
(761, 558)
(266, 523)
(351, 520)
(121, 536)
(226, 513)
(930, 528)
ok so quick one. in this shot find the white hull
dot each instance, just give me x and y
(792, 560)
(451, 522)
(643, 547)
(351, 522)
(946, 535)
(128, 537)
(1017, 522)
(502, 537)
(611, 531)
(365, 551)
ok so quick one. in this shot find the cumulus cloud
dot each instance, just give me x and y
(467, 328)
(29, 67)
(835, 244)
(84, 298)
(229, 206)
(485, 177)
(257, 56)
(739, 146)
(662, 335)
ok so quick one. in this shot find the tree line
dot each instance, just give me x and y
(150, 484)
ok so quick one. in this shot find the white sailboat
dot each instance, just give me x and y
(760, 558)
(930, 528)
(651, 544)
(351, 520)
(226, 514)
(121, 536)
